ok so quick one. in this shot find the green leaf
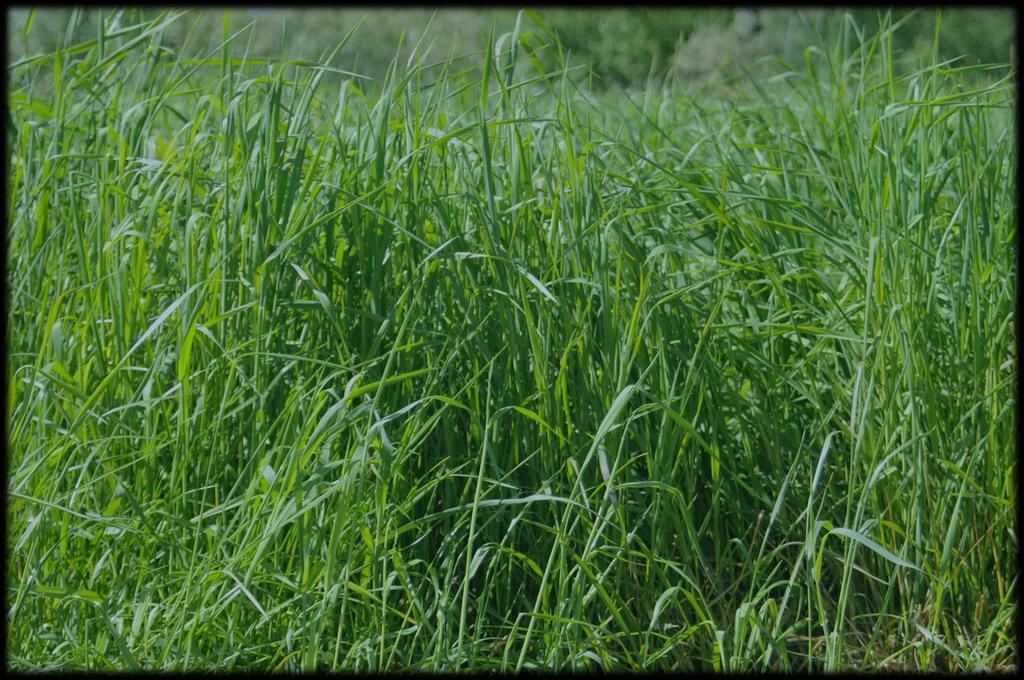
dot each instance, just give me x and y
(872, 545)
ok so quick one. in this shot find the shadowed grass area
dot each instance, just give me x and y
(465, 368)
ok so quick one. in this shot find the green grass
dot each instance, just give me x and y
(469, 369)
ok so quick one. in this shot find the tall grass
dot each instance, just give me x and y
(467, 369)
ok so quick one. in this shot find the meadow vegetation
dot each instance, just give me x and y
(470, 367)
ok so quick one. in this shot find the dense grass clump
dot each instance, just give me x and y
(470, 369)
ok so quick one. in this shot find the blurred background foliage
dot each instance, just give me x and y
(620, 47)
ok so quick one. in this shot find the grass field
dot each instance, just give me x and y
(474, 369)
